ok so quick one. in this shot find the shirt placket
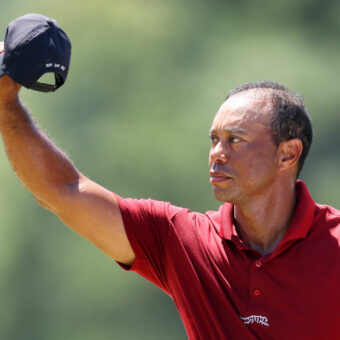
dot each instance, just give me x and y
(256, 285)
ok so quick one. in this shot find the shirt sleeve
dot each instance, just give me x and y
(148, 224)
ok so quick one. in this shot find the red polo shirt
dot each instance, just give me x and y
(226, 290)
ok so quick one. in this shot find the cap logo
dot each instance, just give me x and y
(62, 67)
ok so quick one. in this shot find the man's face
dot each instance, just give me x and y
(243, 158)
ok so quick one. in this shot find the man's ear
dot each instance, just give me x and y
(290, 152)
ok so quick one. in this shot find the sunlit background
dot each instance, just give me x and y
(145, 81)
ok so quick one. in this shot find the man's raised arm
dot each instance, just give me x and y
(50, 176)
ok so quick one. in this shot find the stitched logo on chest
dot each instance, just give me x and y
(261, 320)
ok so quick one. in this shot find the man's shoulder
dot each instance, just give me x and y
(212, 215)
(193, 221)
(328, 217)
(184, 220)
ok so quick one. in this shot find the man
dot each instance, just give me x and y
(265, 266)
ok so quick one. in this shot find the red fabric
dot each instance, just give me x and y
(225, 290)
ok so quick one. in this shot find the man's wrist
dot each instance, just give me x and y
(9, 90)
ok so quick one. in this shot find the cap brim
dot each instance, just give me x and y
(2, 72)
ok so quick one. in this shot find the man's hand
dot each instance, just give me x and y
(9, 89)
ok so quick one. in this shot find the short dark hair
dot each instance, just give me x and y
(290, 117)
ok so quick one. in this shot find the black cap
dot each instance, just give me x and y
(35, 45)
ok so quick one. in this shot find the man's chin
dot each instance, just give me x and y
(224, 195)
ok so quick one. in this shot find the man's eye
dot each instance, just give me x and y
(234, 139)
(214, 139)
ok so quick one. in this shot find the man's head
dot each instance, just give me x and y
(290, 118)
(261, 132)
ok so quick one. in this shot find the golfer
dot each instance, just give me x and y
(266, 265)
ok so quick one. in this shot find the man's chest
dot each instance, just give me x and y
(293, 295)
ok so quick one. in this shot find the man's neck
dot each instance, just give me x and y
(261, 224)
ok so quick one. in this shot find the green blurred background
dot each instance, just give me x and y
(146, 79)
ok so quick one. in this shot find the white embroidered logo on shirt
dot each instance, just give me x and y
(262, 320)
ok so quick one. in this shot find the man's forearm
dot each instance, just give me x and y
(41, 166)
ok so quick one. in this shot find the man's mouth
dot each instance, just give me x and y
(216, 177)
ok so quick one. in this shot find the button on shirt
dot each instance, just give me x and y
(226, 290)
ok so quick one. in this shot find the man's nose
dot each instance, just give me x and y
(218, 154)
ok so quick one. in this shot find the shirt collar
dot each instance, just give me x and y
(298, 228)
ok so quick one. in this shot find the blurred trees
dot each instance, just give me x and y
(145, 81)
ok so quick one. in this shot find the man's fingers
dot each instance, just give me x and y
(2, 46)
